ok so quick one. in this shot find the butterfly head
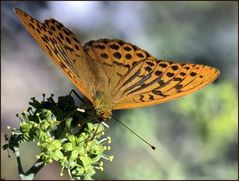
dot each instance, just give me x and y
(103, 114)
(103, 106)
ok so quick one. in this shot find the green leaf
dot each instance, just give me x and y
(58, 155)
(71, 138)
(85, 160)
(74, 155)
(67, 146)
(55, 145)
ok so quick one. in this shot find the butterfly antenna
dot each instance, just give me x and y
(153, 147)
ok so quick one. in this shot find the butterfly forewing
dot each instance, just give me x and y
(60, 44)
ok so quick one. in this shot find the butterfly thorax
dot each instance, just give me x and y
(103, 105)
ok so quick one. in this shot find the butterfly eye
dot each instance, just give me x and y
(99, 112)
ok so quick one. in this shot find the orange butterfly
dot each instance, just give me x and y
(114, 74)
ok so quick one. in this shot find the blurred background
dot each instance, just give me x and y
(196, 136)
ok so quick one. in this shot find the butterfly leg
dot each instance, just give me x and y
(77, 95)
(96, 131)
(85, 103)
(105, 128)
(88, 110)
(7, 140)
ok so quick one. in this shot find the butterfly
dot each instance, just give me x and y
(113, 74)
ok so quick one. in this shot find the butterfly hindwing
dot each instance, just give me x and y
(138, 79)
(165, 82)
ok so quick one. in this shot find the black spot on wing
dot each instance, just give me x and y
(61, 36)
(66, 32)
(68, 40)
(53, 28)
(128, 56)
(178, 86)
(158, 73)
(158, 92)
(114, 47)
(128, 49)
(102, 47)
(177, 79)
(140, 55)
(76, 47)
(104, 55)
(182, 73)
(193, 74)
(169, 74)
(148, 68)
(151, 97)
(117, 55)
(174, 67)
(163, 65)
(32, 26)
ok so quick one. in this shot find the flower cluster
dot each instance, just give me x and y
(64, 135)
